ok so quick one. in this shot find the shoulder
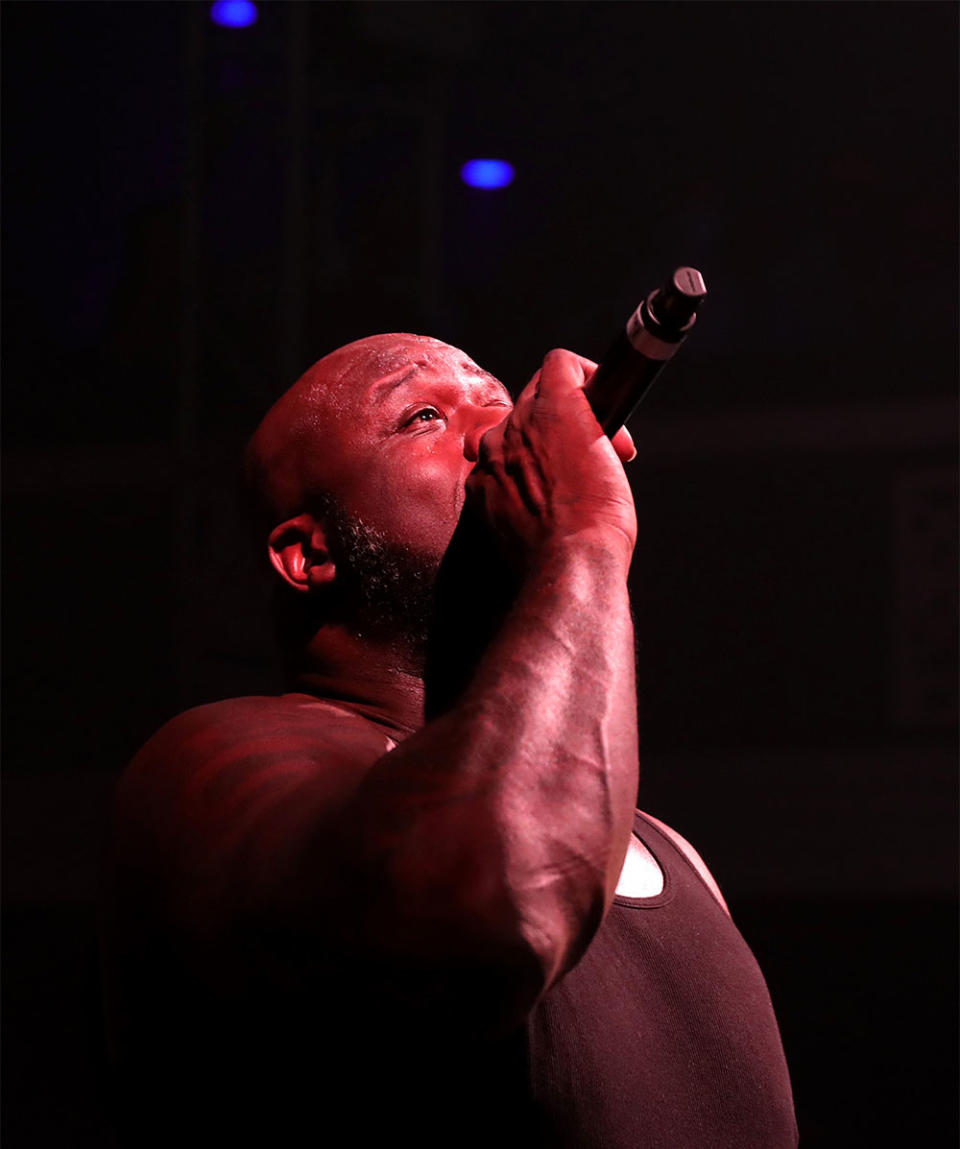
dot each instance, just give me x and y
(691, 855)
(261, 727)
(242, 755)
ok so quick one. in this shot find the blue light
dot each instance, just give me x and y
(234, 13)
(487, 173)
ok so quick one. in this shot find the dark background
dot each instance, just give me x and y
(192, 215)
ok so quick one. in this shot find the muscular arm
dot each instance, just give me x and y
(503, 825)
(500, 828)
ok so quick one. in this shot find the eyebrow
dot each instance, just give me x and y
(389, 384)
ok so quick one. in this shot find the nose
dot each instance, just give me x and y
(480, 420)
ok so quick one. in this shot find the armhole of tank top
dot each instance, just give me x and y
(640, 820)
(666, 894)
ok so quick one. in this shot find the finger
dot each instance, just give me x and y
(588, 365)
(561, 370)
(624, 446)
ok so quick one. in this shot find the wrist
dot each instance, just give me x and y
(605, 548)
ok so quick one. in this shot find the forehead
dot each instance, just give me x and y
(372, 377)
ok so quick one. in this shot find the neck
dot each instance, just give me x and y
(379, 679)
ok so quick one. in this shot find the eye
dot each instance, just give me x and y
(423, 415)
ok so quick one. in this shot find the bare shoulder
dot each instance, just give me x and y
(691, 855)
(267, 728)
(230, 763)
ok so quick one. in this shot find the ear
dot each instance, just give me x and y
(298, 551)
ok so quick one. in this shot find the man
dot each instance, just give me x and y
(331, 922)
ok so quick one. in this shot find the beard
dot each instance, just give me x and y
(385, 589)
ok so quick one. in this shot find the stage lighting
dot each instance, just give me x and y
(487, 173)
(234, 13)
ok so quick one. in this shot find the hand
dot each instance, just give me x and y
(549, 473)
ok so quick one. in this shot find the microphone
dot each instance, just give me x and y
(474, 587)
(651, 337)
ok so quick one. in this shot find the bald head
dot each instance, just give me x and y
(358, 475)
(297, 453)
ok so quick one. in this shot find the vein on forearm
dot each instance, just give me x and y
(506, 807)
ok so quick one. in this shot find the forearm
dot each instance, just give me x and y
(507, 819)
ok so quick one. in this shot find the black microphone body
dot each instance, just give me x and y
(651, 337)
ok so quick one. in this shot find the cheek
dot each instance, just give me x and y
(427, 505)
(418, 501)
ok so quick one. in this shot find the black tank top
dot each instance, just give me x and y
(663, 1036)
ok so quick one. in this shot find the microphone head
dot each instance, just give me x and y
(688, 281)
(675, 304)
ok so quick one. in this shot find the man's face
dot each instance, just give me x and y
(406, 440)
